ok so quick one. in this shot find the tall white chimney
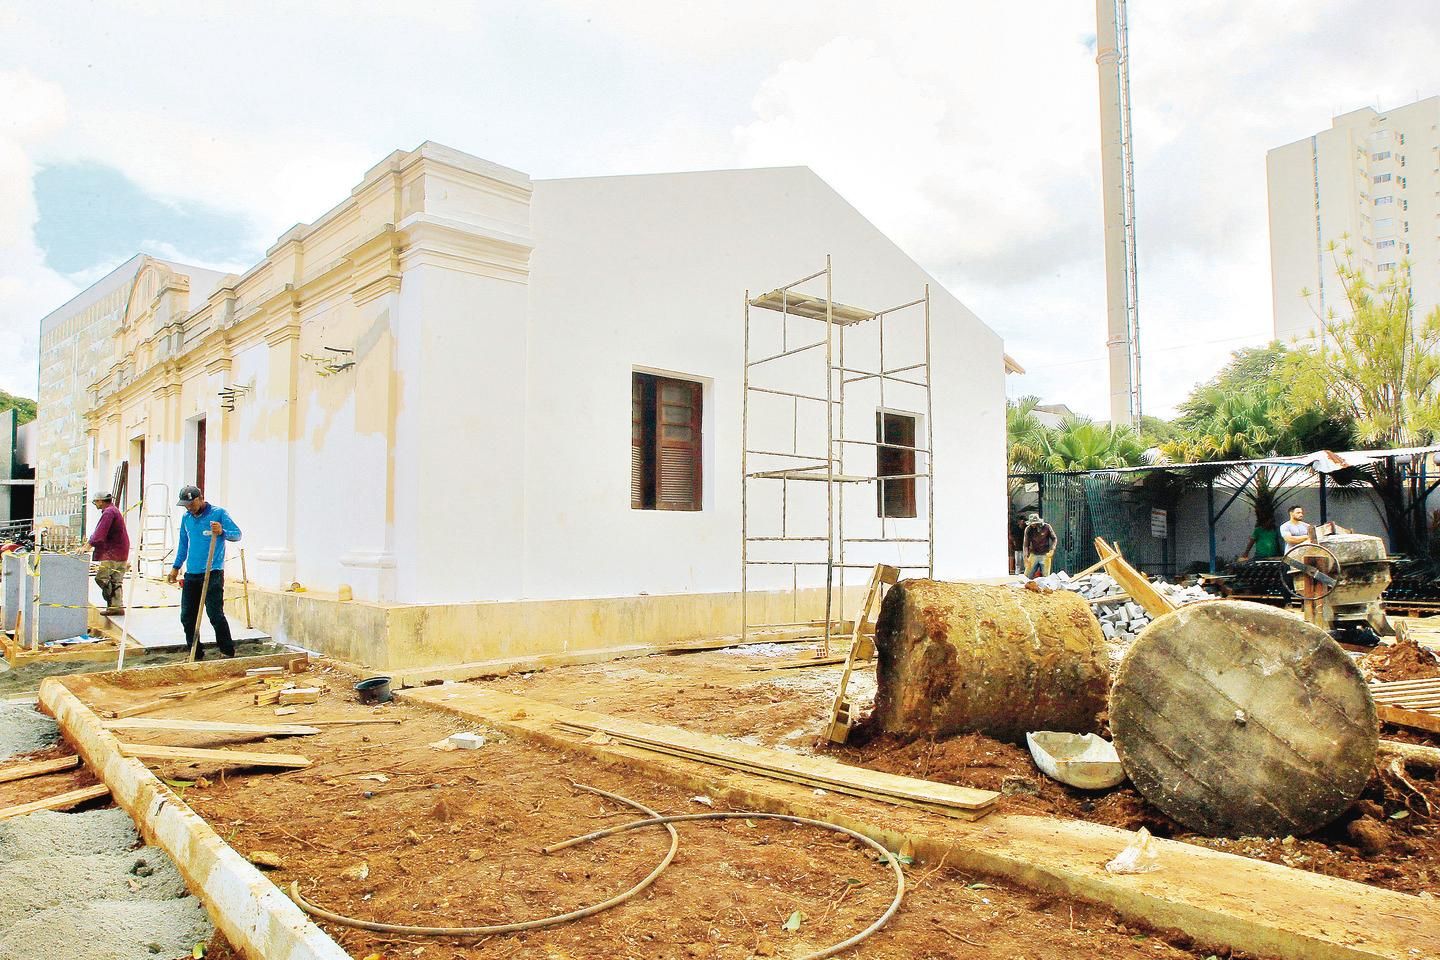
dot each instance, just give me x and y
(1117, 179)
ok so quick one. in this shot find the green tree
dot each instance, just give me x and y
(1248, 411)
(1155, 432)
(1248, 424)
(1380, 364)
(23, 407)
(1082, 444)
(1024, 434)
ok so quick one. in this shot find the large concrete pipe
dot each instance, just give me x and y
(1237, 719)
(961, 657)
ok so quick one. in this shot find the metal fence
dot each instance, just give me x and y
(1134, 512)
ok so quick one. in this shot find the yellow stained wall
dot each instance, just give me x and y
(404, 637)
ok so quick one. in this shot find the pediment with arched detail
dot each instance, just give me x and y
(153, 324)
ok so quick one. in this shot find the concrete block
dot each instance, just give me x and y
(63, 580)
(13, 572)
(468, 740)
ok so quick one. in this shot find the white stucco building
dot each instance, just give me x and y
(1372, 176)
(429, 396)
(76, 344)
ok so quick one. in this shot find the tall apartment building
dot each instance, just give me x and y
(1372, 176)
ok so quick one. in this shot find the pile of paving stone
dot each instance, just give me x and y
(1121, 621)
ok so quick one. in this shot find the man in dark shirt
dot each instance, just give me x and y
(111, 543)
(1040, 543)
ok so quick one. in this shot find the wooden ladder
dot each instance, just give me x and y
(862, 647)
(1132, 580)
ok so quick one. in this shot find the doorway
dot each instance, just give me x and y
(200, 454)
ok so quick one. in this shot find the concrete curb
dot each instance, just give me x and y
(258, 920)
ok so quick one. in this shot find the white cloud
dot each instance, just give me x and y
(275, 177)
(967, 131)
(34, 110)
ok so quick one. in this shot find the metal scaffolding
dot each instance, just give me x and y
(851, 460)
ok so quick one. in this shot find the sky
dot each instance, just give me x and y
(968, 131)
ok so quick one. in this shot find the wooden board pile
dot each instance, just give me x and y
(1408, 703)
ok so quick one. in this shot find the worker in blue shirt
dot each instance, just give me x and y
(202, 524)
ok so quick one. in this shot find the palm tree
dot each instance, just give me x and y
(1250, 424)
(1024, 433)
(1081, 444)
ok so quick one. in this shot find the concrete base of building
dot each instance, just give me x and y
(416, 637)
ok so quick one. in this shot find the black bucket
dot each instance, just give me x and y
(373, 690)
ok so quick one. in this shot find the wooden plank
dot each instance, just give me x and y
(862, 646)
(254, 916)
(1090, 569)
(61, 801)
(177, 725)
(974, 813)
(1133, 581)
(36, 768)
(237, 758)
(171, 699)
(1415, 719)
(1113, 598)
(1405, 698)
(336, 723)
(1392, 685)
(797, 663)
(840, 777)
(1395, 684)
(1427, 702)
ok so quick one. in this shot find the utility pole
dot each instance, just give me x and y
(1112, 56)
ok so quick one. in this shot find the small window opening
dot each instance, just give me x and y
(665, 466)
(895, 497)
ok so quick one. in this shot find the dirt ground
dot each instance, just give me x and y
(720, 693)
(384, 826)
(1403, 660)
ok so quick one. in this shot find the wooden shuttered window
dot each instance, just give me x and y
(677, 444)
(637, 445)
(895, 498)
(665, 464)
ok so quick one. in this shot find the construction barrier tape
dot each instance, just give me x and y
(136, 606)
(101, 606)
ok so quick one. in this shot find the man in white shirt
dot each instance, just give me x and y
(1296, 530)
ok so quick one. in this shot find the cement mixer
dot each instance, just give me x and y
(1340, 581)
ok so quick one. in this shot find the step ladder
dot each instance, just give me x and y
(156, 528)
(862, 647)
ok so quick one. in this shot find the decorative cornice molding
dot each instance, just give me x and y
(375, 289)
(280, 336)
(490, 252)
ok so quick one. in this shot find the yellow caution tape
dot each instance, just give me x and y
(136, 606)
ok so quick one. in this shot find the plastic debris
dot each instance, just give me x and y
(1141, 856)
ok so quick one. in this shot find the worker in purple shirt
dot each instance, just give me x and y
(202, 524)
(111, 544)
